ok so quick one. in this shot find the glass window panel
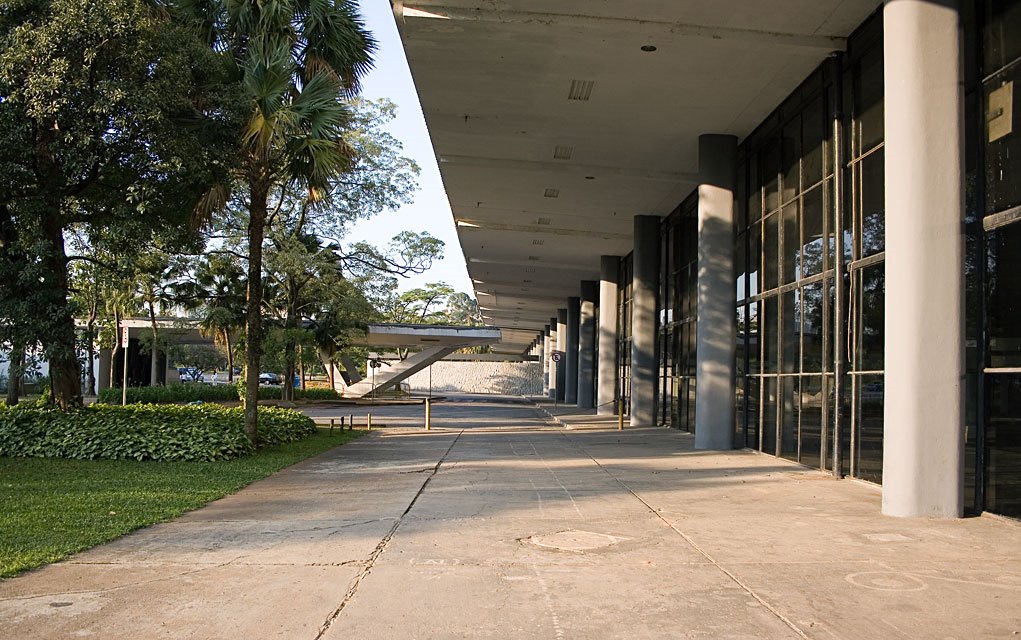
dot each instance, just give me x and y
(869, 100)
(791, 243)
(873, 204)
(754, 259)
(740, 267)
(754, 190)
(770, 252)
(814, 132)
(871, 312)
(1003, 156)
(789, 416)
(752, 408)
(811, 402)
(791, 337)
(870, 428)
(791, 154)
(742, 334)
(1003, 296)
(769, 413)
(830, 224)
(770, 322)
(1003, 445)
(812, 328)
(753, 337)
(812, 244)
(1001, 34)
(770, 175)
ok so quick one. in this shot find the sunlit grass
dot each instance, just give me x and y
(51, 508)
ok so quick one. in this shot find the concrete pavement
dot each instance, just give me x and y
(503, 524)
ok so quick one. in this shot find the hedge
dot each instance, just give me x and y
(143, 432)
(195, 392)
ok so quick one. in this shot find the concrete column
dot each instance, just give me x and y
(562, 349)
(716, 331)
(103, 375)
(645, 291)
(571, 355)
(552, 365)
(607, 391)
(923, 439)
(545, 361)
(587, 344)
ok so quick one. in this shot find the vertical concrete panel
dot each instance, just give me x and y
(103, 375)
(587, 344)
(545, 361)
(716, 331)
(608, 276)
(561, 349)
(923, 438)
(571, 355)
(645, 287)
(552, 365)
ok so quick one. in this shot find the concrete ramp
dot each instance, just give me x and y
(398, 371)
(435, 341)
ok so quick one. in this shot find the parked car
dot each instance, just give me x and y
(269, 378)
(190, 374)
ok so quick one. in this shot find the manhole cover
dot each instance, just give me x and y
(577, 541)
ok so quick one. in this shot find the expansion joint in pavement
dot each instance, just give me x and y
(383, 543)
(694, 545)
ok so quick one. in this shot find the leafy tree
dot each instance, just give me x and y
(107, 119)
(220, 283)
(295, 60)
(463, 309)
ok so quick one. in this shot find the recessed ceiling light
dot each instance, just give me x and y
(648, 48)
(533, 258)
(590, 177)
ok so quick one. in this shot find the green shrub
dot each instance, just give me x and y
(142, 432)
(196, 392)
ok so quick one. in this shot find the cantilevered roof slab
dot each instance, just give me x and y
(555, 123)
(428, 335)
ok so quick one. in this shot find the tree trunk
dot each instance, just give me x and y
(230, 356)
(15, 373)
(290, 348)
(154, 363)
(301, 364)
(114, 381)
(253, 323)
(65, 374)
(90, 355)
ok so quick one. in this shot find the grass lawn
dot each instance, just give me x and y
(51, 508)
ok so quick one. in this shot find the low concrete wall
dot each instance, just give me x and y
(508, 378)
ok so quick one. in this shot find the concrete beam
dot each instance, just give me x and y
(565, 167)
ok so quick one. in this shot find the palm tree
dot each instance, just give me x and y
(296, 61)
(221, 286)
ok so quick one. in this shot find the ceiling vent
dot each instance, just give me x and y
(551, 193)
(527, 281)
(538, 242)
(562, 152)
(581, 90)
(543, 221)
(533, 258)
(529, 269)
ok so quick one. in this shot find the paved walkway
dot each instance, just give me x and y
(534, 531)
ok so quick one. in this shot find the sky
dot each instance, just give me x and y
(431, 211)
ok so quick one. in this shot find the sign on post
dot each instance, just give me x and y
(555, 357)
(124, 337)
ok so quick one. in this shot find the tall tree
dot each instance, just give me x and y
(296, 60)
(106, 120)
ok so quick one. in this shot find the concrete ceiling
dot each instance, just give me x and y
(540, 184)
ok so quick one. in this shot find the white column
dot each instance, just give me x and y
(923, 442)
(562, 350)
(605, 394)
(545, 361)
(553, 339)
(716, 331)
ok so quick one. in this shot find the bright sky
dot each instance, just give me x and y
(431, 210)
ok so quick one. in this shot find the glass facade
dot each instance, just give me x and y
(810, 276)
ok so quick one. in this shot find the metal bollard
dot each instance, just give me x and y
(620, 415)
(351, 421)
(428, 414)
(368, 421)
(331, 427)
